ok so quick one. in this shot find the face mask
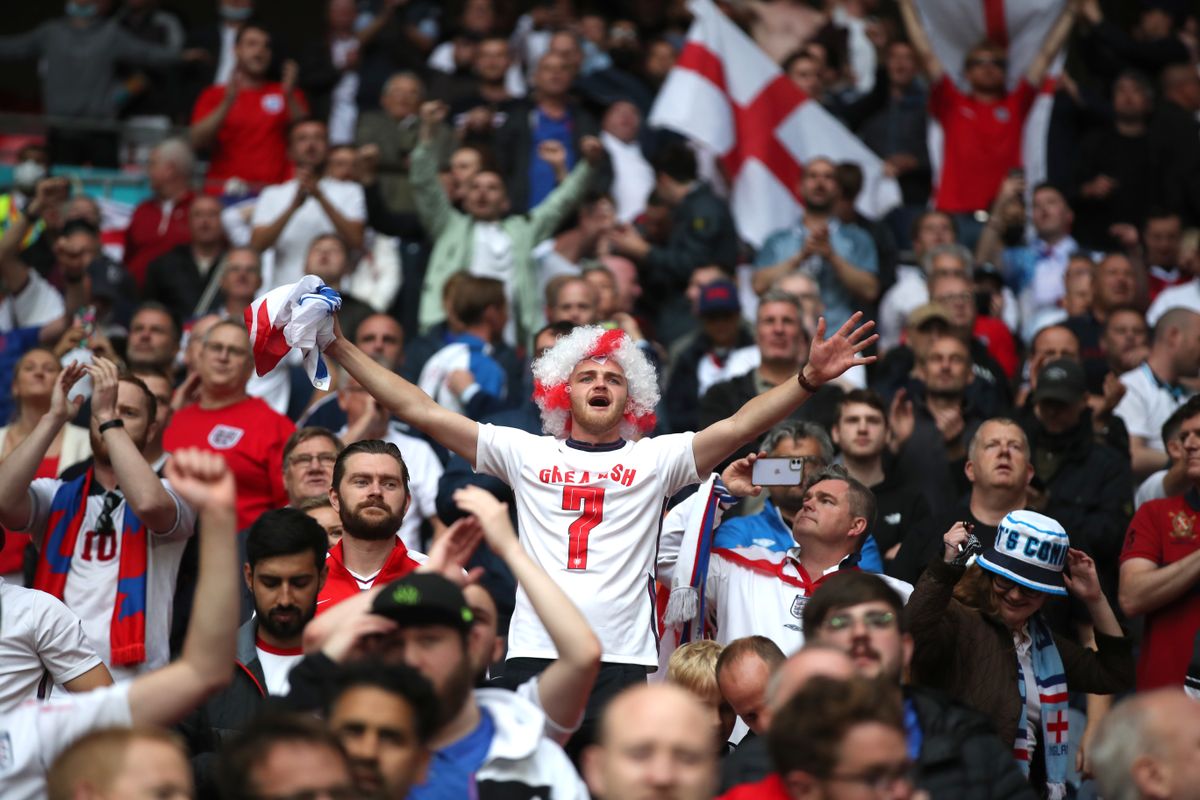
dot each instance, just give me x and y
(81, 11)
(27, 174)
(236, 13)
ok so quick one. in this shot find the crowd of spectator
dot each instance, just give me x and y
(947, 532)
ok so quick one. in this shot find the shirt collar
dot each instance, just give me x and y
(600, 447)
(793, 555)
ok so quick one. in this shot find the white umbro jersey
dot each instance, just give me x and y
(590, 517)
(760, 592)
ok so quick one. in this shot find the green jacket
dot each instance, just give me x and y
(452, 233)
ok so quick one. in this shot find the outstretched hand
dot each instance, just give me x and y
(829, 358)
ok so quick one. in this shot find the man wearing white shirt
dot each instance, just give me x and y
(39, 636)
(289, 216)
(633, 177)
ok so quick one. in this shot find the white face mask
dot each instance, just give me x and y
(27, 174)
(236, 13)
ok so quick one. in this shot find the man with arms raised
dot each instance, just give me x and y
(587, 498)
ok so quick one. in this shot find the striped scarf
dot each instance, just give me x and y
(1051, 682)
(127, 635)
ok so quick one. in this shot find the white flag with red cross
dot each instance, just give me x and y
(955, 26)
(726, 94)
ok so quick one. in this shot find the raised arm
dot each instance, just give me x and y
(453, 431)
(827, 360)
(204, 131)
(564, 686)
(164, 696)
(920, 41)
(1054, 42)
(18, 468)
(141, 486)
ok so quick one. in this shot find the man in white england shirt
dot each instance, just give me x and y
(33, 735)
(588, 498)
(112, 538)
(289, 216)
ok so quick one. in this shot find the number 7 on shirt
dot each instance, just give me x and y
(590, 501)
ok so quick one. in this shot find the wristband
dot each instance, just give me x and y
(804, 382)
(112, 423)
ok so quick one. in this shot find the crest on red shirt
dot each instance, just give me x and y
(272, 103)
(223, 437)
(1183, 525)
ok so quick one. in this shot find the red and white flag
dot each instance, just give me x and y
(955, 26)
(726, 94)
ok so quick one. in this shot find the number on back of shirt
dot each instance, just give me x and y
(590, 501)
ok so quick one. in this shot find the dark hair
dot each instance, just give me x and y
(296, 123)
(765, 649)
(400, 680)
(285, 532)
(473, 295)
(866, 397)
(848, 587)
(1181, 415)
(924, 215)
(807, 732)
(154, 305)
(246, 751)
(793, 57)
(80, 226)
(849, 178)
(125, 376)
(302, 435)
(341, 243)
(1159, 212)
(677, 162)
(254, 23)
(376, 447)
(1139, 79)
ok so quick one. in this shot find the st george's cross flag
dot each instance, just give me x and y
(955, 26)
(726, 94)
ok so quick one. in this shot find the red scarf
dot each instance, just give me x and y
(127, 636)
(341, 585)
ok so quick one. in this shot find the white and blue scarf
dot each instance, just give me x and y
(1051, 682)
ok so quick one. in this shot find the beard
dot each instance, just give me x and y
(595, 420)
(356, 524)
(454, 693)
(285, 629)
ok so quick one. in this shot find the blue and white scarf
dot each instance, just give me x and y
(1051, 682)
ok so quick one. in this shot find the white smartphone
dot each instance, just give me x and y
(778, 472)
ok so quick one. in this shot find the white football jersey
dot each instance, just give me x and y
(758, 592)
(590, 517)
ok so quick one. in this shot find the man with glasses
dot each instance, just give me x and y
(983, 125)
(308, 459)
(110, 533)
(226, 420)
(956, 754)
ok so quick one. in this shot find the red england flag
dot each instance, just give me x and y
(727, 95)
(955, 26)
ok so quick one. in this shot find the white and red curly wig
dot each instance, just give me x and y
(552, 373)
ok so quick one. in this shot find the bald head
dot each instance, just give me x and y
(1145, 747)
(807, 663)
(654, 741)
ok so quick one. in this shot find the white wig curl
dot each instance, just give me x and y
(552, 372)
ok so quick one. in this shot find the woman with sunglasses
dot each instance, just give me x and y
(979, 635)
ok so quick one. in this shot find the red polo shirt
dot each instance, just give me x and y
(982, 143)
(155, 228)
(1165, 531)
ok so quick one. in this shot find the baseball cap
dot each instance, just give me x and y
(1062, 379)
(424, 598)
(719, 297)
(930, 312)
(1031, 550)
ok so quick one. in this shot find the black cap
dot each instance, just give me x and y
(424, 598)
(1061, 380)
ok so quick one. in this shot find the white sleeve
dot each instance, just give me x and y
(352, 202)
(185, 517)
(552, 730)
(41, 494)
(62, 721)
(671, 537)
(38, 304)
(498, 451)
(269, 206)
(1133, 412)
(676, 461)
(61, 644)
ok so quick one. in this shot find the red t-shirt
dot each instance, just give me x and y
(1165, 531)
(251, 143)
(769, 788)
(998, 339)
(151, 233)
(251, 436)
(982, 143)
